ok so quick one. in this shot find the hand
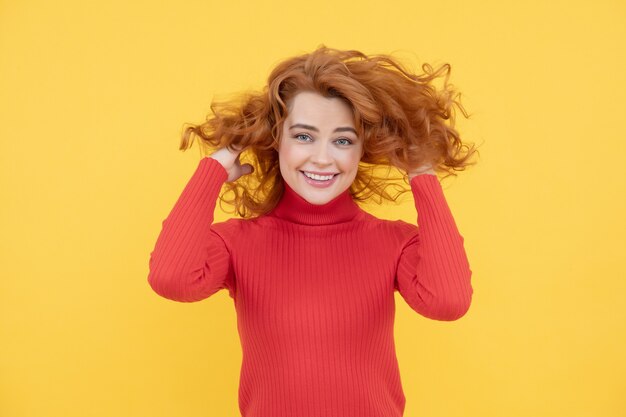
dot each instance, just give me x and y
(230, 161)
(424, 169)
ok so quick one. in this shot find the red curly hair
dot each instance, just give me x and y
(405, 122)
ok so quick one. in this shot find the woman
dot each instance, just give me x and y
(313, 275)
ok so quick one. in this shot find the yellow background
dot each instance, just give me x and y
(92, 101)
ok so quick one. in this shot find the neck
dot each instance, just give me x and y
(294, 208)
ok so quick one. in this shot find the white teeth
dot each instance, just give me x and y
(318, 177)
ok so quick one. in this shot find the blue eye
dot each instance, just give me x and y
(339, 141)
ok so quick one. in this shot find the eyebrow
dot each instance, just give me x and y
(313, 128)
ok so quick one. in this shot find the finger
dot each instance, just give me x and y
(248, 168)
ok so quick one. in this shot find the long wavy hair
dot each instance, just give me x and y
(404, 120)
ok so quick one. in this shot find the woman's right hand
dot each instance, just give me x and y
(230, 161)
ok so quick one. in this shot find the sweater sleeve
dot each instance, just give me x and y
(190, 261)
(433, 274)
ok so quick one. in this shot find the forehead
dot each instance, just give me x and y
(313, 106)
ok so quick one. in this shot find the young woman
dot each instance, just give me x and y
(312, 275)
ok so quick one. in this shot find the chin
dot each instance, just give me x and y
(322, 196)
(317, 196)
(319, 200)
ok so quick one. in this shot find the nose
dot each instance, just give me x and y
(321, 154)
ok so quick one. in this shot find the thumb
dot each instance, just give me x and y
(247, 169)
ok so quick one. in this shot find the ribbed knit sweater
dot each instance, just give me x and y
(313, 288)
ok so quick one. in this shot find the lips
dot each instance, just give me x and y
(321, 173)
(320, 183)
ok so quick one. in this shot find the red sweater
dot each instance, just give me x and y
(313, 287)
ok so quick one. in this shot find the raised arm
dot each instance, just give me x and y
(433, 275)
(190, 261)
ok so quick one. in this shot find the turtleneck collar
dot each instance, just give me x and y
(294, 208)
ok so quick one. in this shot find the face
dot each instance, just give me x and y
(319, 150)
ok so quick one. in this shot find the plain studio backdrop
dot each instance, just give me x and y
(93, 97)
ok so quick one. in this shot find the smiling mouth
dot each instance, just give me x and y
(319, 175)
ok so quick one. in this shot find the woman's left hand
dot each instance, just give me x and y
(424, 169)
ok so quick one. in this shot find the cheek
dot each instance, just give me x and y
(289, 155)
(352, 159)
